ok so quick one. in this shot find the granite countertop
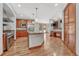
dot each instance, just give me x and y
(21, 29)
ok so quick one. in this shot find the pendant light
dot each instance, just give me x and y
(33, 18)
(36, 18)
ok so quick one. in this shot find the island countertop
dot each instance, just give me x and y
(36, 33)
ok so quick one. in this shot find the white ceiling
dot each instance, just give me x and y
(46, 11)
(7, 11)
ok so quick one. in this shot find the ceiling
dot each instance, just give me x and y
(7, 11)
(45, 11)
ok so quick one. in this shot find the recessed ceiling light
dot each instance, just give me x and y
(56, 4)
(19, 5)
(21, 15)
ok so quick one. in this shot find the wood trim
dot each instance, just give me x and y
(75, 29)
(53, 33)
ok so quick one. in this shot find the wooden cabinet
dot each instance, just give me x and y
(4, 42)
(70, 27)
(17, 23)
(56, 34)
(21, 33)
(20, 22)
(17, 33)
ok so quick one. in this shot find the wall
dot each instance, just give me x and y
(77, 29)
(14, 26)
(13, 18)
(1, 29)
(62, 26)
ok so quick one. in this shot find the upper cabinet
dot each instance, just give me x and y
(72, 10)
(21, 23)
(66, 15)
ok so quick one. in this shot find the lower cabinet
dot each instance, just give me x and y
(4, 42)
(7, 41)
(56, 34)
(21, 33)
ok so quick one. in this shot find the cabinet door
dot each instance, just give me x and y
(24, 33)
(72, 12)
(66, 36)
(71, 43)
(17, 23)
(66, 16)
(70, 27)
(4, 41)
(66, 26)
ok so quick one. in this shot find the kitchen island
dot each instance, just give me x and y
(36, 39)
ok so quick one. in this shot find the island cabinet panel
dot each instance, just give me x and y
(70, 27)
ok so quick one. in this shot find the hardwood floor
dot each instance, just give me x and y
(52, 47)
